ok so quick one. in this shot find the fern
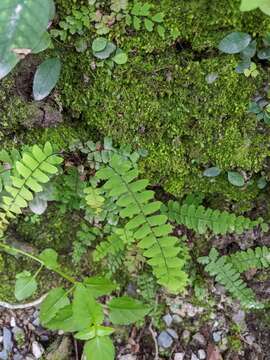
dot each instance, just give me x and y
(200, 219)
(228, 275)
(150, 228)
(28, 176)
(258, 258)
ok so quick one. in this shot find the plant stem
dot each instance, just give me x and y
(35, 258)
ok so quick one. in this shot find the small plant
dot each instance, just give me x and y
(104, 49)
(140, 16)
(263, 5)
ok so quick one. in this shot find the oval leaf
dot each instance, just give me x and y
(236, 179)
(25, 286)
(55, 300)
(125, 310)
(99, 44)
(46, 77)
(212, 171)
(49, 258)
(234, 43)
(106, 53)
(120, 58)
(99, 286)
(99, 348)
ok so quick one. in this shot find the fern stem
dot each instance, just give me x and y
(35, 258)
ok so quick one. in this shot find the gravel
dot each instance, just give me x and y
(164, 340)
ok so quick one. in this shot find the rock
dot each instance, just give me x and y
(128, 357)
(177, 319)
(210, 78)
(239, 317)
(18, 357)
(4, 355)
(186, 336)
(201, 354)
(12, 322)
(61, 351)
(37, 350)
(250, 339)
(7, 340)
(194, 357)
(179, 356)
(172, 333)
(217, 336)
(19, 336)
(168, 319)
(164, 340)
(199, 339)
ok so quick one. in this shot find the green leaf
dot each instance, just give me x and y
(106, 53)
(236, 179)
(212, 172)
(99, 286)
(264, 54)
(43, 44)
(25, 286)
(46, 77)
(94, 331)
(120, 57)
(22, 26)
(161, 31)
(234, 43)
(86, 310)
(265, 6)
(49, 258)
(125, 310)
(159, 18)
(7, 64)
(247, 5)
(99, 44)
(261, 183)
(55, 300)
(149, 25)
(64, 320)
(136, 23)
(99, 348)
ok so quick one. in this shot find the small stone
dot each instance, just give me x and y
(199, 339)
(179, 356)
(239, 317)
(164, 340)
(37, 350)
(3, 355)
(194, 357)
(250, 339)
(201, 354)
(1, 339)
(168, 319)
(172, 333)
(7, 340)
(217, 336)
(128, 357)
(186, 336)
(177, 319)
(210, 78)
(12, 322)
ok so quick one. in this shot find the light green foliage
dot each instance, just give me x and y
(227, 270)
(22, 27)
(28, 177)
(201, 219)
(150, 230)
(264, 5)
(25, 285)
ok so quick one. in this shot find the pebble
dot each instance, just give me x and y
(179, 356)
(168, 319)
(177, 319)
(172, 333)
(239, 317)
(37, 350)
(199, 339)
(164, 340)
(7, 339)
(194, 357)
(210, 78)
(12, 322)
(128, 357)
(3, 355)
(201, 354)
(217, 336)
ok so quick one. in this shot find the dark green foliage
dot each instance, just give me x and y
(258, 258)
(201, 219)
(85, 237)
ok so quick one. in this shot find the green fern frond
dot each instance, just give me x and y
(258, 258)
(150, 228)
(30, 173)
(201, 219)
(226, 274)
(94, 199)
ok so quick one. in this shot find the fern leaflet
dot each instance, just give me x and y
(200, 219)
(258, 258)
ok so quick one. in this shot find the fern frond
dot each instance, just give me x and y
(226, 274)
(94, 199)
(201, 219)
(258, 258)
(30, 173)
(150, 228)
